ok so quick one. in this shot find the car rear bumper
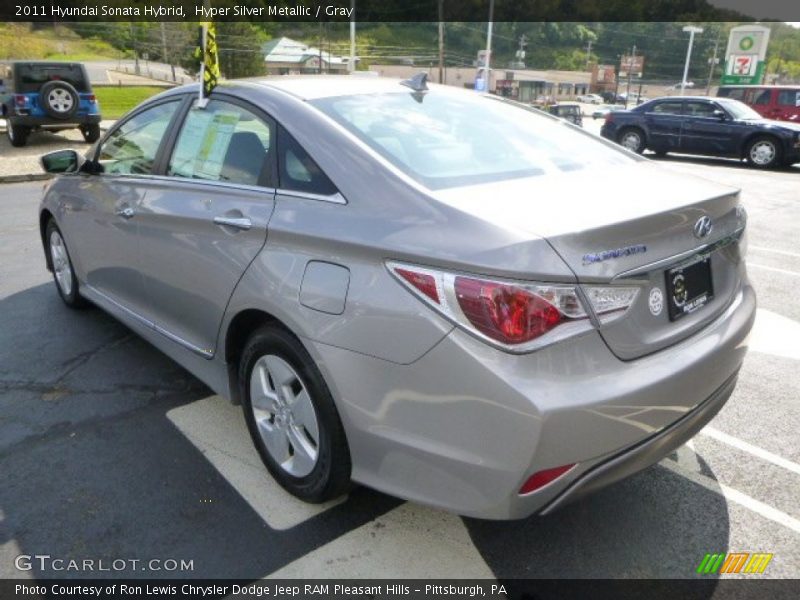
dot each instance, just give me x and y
(49, 122)
(645, 453)
(463, 427)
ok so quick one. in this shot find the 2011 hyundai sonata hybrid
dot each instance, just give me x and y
(432, 292)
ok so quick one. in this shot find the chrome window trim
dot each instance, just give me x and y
(336, 198)
(209, 182)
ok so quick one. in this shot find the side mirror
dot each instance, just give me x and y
(720, 114)
(61, 161)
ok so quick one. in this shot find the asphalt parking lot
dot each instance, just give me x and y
(110, 450)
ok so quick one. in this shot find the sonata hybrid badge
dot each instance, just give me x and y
(596, 257)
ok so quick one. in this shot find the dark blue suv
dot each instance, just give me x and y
(705, 126)
(47, 95)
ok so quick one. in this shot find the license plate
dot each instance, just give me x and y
(689, 288)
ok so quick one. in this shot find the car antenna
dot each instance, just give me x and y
(418, 83)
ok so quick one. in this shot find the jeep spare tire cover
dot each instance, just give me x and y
(59, 99)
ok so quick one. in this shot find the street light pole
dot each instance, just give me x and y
(691, 29)
(488, 70)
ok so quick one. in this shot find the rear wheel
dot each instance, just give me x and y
(17, 134)
(292, 417)
(63, 273)
(91, 133)
(764, 152)
(632, 138)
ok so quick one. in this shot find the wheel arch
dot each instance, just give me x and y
(760, 134)
(239, 329)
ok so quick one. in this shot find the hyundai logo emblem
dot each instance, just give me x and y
(703, 227)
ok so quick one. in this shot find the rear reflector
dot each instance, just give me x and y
(542, 478)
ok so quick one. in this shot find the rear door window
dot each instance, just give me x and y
(31, 77)
(131, 149)
(224, 142)
(667, 108)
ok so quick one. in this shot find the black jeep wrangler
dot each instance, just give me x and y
(47, 95)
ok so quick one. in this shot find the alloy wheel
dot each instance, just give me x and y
(61, 265)
(284, 415)
(763, 152)
(60, 100)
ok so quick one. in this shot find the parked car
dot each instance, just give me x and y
(778, 102)
(689, 85)
(590, 99)
(568, 112)
(477, 336)
(706, 126)
(47, 95)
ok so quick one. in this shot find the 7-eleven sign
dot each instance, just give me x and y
(743, 69)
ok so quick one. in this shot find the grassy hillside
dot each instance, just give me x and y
(116, 101)
(23, 40)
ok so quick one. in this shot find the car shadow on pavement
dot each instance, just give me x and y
(92, 468)
(654, 525)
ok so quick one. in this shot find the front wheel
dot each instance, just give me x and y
(632, 139)
(63, 273)
(292, 417)
(91, 133)
(17, 134)
(764, 152)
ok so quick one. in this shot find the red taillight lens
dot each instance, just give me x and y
(423, 282)
(92, 98)
(542, 478)
(20, 100)
(609, 117)
(505, 313)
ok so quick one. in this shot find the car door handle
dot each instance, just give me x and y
(126, 213)
(237, 222)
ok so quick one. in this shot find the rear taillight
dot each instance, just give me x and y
(517, 316)
(505, 312)
(92, 99)
(609, 117)
(21, 100)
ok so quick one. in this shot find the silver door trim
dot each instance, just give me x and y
(336, 198)
(208, 354)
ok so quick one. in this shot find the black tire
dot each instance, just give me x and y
(59, 99)
(91, 133)
(69, 293)
(330, 476)
(772, 156)
(628, 134)
(660, 153)
(17, 134)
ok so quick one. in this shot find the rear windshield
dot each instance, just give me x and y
(446, 140)
(31, 77)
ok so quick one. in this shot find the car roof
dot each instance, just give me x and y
(326, 86)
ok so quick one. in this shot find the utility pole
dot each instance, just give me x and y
(488, 65)
(713, 63)
(352, 64)
(320, 47)
(631, 61)
(588, 54)
(135, 50)
(167, 57)
(441, 41)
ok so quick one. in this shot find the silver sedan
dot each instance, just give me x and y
(433, 292)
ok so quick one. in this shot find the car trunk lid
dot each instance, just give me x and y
(630, 226)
